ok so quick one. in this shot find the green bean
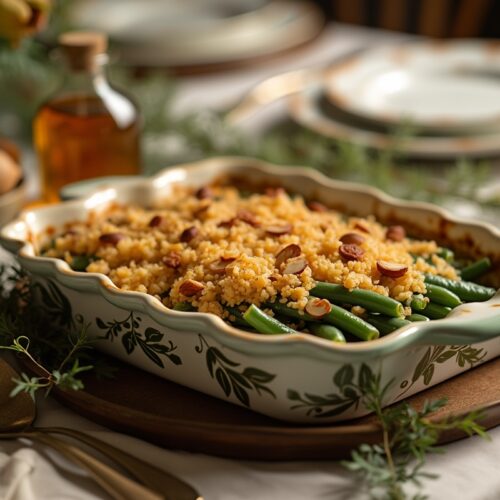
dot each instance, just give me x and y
(442, 296)
(476, 269)
(328, 332)
(467, 291)
(386, 324)
(184, 307)
(417, 317)
(435, 311)
(367, 299)
(264, 323)
(238, 317)
(338, 317)
(289, 312)
(418, 302)
(446, 254)
(80, 262)
(350, 323)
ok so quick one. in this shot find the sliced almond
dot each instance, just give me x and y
(111, 238)
(227, 223)
(172, 260)
(316, 206)
(318, 308)
(391, 269)
(202, 208)
(355, 238)
(362, 227)
(395, 233)
(274, 192)
(204, 193)
(189, 288)
(295, 265)
(279, 229)
(219, 266)
(156, 221)
(248, 217)
(351, 251)
(189, 234)
(286, 253)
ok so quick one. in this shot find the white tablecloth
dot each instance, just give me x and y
(468, 470)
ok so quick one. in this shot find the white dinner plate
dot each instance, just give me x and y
(439, 86)
(198, 32)
(312, 109)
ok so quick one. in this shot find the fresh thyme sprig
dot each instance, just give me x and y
(408, 435)
(62, 377)
(58, 357)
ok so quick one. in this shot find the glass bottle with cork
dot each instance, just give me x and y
(87, 128)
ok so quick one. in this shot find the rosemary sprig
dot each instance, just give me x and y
(408, 435)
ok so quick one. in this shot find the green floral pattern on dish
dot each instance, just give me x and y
(56, 307)
(463, 354)
(150, 341)
(231, 378)
(350, 391)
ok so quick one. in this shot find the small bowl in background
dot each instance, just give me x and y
(12, 202)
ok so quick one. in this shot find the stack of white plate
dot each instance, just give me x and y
(445, 95)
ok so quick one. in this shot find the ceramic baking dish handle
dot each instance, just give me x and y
(461, 333)
(467, 324)
(12, 236)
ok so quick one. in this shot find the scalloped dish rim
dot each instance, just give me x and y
(225, 333)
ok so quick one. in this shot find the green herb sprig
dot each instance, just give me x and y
(408, 435)
(56, 355)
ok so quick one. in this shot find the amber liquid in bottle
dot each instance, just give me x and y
(78, 138)
(88, 128)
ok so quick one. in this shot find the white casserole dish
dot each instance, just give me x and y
(297, 378)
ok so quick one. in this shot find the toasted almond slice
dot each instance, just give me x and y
(395, 233)
(220, 265)
(111, 238)
(156, 221)
(318, 308)
(316, 206)
(274, 191)
(227, 223)
(391, 269)
(248, 217)
(355, 238)
(286, 253)
(295, 265)
(188, 234)
(279, 229)
(189, 288)
(204, 193)
(351, 251)
(362, 227)
(172, 260)
(202, 208)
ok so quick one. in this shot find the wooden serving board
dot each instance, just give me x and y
(167, 414)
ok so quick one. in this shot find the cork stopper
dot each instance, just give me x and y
(80, 48)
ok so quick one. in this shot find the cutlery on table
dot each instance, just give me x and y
(16, 418)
